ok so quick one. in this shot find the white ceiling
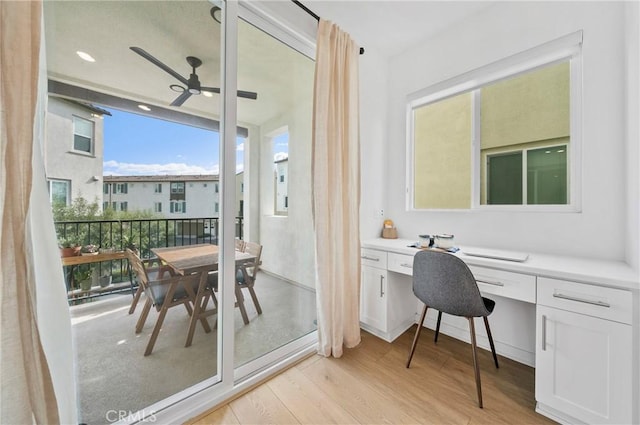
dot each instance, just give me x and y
(392, 27)
(172, 30)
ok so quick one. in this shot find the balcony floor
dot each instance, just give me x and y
(113, 374)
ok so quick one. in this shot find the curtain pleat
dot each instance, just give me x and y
(336, 189)
(26, 388)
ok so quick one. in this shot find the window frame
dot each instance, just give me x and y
(92, 139)
(566, 48)
(50, 183)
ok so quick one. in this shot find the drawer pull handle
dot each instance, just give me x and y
(407, 265)
(490, 282)
(364, 257)
(544, 332)
(381, 286)
(582, 300)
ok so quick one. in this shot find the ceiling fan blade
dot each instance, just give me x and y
(241, 93)
(181, 99)
(159, 64)
(210, 89)
(247, 94)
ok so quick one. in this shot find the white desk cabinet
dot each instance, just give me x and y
(583, 356)
(586, 369)
(385, 310)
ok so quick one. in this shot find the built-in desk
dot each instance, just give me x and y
(570, 318)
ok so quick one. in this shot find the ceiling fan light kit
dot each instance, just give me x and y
(190, 86)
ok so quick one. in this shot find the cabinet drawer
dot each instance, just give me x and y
(373, 258)
(506, 284)
(597, 301)
(401, 263)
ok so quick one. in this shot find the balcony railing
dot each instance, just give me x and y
(144, 233)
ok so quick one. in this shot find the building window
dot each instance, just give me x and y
(105, 206)
(121, 188)
(114, 206)
(280, 149)
(178, 207)
(217, 189)
(543, 183)
(157, 207)
(507, 129)
(177, 191)
(177, 187)
(123, 206)
(82, 135)
(105, 188)
(157, 188)
(204, 185)
(216, 208)
(60, 192)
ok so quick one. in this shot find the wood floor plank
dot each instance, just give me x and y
(262, 406)
(367, 404)
(370, 384)
(223, 415)
(308, 403)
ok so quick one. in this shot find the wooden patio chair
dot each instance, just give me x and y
(246, 274)
(163, 293)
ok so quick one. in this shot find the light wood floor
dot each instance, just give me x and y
(370, 385)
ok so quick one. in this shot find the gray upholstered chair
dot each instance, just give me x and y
(444, 282)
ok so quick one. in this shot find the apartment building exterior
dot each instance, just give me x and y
(170, 196)
(74, 148)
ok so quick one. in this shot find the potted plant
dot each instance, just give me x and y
(69, 246)
(82, 276)
(89, 250)
(105, 279)
(128, 242)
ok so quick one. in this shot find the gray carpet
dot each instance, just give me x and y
(113, 374)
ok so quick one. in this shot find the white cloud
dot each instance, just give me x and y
(280, 156)
(116, 168)
(240, 147)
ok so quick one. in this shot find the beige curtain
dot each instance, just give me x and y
(336, 190)
(26, 387)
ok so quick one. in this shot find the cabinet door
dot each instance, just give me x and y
(373, 298)
(583, 366)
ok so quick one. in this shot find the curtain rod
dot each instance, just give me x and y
(316, 17)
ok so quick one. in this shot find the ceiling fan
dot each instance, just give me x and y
(192, 85)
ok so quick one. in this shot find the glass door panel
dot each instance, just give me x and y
(145, 83)
(278, 294)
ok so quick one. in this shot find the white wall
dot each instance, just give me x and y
(499, 31)
(61, 162)
(288, 241)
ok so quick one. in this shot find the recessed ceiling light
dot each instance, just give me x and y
(547, 151)
(85, 56)
(560, 150)
(144, 107)
(207, 93)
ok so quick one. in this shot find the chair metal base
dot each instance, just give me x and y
(472, 332)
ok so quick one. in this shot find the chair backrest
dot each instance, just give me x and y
(444, 282)
(138, 267)
(240, 244)
(254, 249)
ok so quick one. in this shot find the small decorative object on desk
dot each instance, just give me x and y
(444, 241)
(388, 230)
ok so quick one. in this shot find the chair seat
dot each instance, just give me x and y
(159, 291)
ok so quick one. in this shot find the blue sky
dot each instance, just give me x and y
(138, 145)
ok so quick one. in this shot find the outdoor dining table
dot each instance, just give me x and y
(201, 258)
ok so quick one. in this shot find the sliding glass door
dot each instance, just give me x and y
(195, 129)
